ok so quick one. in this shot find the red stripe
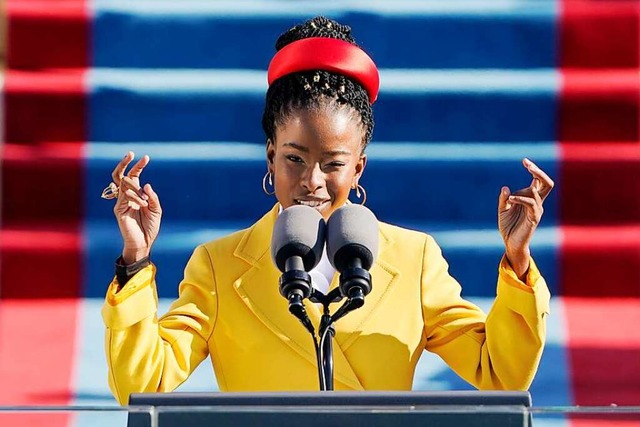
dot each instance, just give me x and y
(600, 261)
(47, 34)
(599, 34)
(43, 182)
(604, 339)
(600, 183)
(599, 130)
(41, 262)
(45, 106)
(37, 343)
(45, 116)
(599, 105)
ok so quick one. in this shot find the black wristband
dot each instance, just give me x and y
(125, 272)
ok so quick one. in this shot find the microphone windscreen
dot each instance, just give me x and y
(352, 232)
(299, 231)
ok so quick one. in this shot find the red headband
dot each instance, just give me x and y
(322, 53)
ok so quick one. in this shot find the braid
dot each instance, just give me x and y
(314, 89)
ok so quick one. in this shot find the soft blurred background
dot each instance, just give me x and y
(468, 89)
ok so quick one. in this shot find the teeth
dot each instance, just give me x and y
(311, 203)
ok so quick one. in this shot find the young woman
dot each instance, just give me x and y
(318, 122)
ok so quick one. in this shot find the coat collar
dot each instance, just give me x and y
(258, 288)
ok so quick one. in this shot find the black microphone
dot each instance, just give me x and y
(296, 247)
(352, 247)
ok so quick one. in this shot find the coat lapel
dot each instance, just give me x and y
(383, 276)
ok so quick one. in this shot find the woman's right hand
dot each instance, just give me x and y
(137, 210)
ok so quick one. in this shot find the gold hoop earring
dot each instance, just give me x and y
(361, 193)
(268, 176)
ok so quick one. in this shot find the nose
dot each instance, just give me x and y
(313, 178)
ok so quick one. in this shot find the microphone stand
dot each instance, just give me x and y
(326, 348)
(352, 281)
(326, 332)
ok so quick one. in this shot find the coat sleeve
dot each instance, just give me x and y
(498, 351)
(147, 354)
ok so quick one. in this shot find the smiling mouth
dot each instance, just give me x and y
(312, 203)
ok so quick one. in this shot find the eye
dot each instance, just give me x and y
(335, 164)
(294, 158)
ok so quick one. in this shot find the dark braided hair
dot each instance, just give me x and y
(315, 89)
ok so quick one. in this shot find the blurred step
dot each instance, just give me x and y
(48, 34)
(45, 106)
(600, 261)
(164, 34)
(404, 182)
(600, 183)
(189, 34)
(599, 105)
(196, 34)
(603, 342)
(420, 105)
(473, 254)
(599, 34)
(49, 181)
(41, 260)
(42, 182)
(192, 105)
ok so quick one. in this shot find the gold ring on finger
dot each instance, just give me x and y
(110, 191)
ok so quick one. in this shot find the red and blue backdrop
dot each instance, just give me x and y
(467, 90)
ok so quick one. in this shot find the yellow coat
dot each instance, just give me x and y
(229, 308)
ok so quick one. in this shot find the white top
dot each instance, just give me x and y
(322, 274)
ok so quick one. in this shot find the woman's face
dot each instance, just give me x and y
(316, 158)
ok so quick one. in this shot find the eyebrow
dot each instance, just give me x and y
(306, 150)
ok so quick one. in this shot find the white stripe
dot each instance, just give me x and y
(184, 151)
(241, 81)
(382, 151)
(186, 240)
(237, 81)
(476, 80)
(457, 152)
(544, 237)
(334, 8)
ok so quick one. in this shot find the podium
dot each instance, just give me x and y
(321, 409)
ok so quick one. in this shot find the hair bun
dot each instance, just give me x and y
(319, 26)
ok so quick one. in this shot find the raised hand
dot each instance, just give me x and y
(519, 214)
(137, 209)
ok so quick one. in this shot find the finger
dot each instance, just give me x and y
(154, 201)
(536, 196)
(522, 200)
(132, 196)
(503, 199)
(136, 170)
(129, 183)
(118, 172)
(545, 182)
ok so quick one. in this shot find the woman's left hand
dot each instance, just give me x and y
(519, 214)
